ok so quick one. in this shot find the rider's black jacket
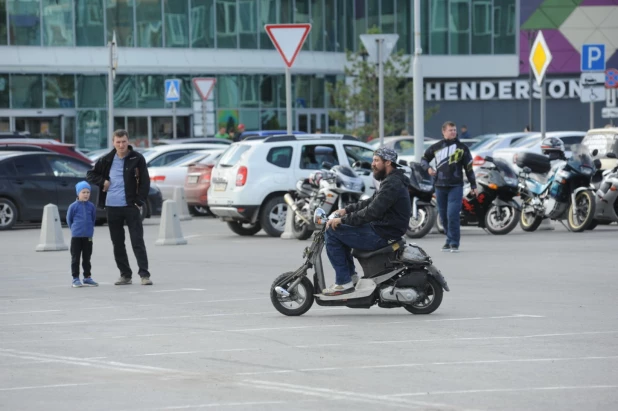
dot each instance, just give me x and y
(388, 210)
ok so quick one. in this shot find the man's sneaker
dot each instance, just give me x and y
(146, 281)
(123, 281)
(337, 289)
(355, 279)
(454, 249)
(446, 248)
(76, 283)
(89, 282)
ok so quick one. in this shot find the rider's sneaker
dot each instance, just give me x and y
(123, 281)
(446, 248)
(76, 283)
(454, 249)
(89, 282)
(355, 279)
(337, 289)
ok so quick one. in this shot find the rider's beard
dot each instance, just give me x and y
(379, 174)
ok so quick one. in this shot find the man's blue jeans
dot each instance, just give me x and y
(449, 207)
(339, 243)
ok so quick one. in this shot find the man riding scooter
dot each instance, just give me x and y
(369, 224)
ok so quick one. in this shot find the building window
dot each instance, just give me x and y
(149, 23)
(438, 27)
(3, 30)
(481, 26)
(373, 14)
(24, 23)
(202, 23)
(227, 91)
(120, 20)
(4, 91)
(270, 13)
(58, 22)
(92, 129)
(91, 91)
(150, 91)
(27, 91)
(125, 92)
(247, 24)
(59, 91)
(176, 20)
(330, 28)
(302, 14)
(504, 26)
(405, 26)
(89, 23)
(249, 91)
(227, 24)
(459, 27)
(317, 25)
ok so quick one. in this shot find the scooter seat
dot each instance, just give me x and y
(384, 250)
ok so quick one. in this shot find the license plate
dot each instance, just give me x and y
(193, 179)
(220, 186)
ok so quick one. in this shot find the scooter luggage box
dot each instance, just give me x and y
(538, 163)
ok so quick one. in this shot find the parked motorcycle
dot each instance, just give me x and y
(606, 207)
(424, 211)
(494, 207)
(561, 192)
(336, 187)
(398, 275)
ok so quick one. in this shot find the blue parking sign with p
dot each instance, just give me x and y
(593, 57)
(172, 90)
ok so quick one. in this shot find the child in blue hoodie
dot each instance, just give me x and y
(80, 218)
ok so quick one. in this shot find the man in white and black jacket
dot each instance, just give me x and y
(452, 159)
(369, 224)
(122, 176)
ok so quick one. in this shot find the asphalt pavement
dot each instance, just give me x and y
(530, 324)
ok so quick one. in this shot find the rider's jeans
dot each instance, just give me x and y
(339, 243)
(449, 207)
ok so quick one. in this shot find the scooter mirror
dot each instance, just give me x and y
(319, 216)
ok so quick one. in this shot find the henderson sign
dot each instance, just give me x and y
(500, 90)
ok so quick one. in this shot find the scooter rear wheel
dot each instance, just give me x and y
(300, 299)
(433, 298)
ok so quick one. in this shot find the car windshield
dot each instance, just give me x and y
(149, 154)
(527, 141)
(482, 139)
(488, 142)
(186, 160)
(233, 154)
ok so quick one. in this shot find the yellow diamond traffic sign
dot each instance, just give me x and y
(540, 57)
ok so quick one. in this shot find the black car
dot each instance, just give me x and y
(31, 180)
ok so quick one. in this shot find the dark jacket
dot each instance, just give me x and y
(452, 157)
(136, 178)
(388, 210)
(81, 216)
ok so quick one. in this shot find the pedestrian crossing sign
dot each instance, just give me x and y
(172, 90)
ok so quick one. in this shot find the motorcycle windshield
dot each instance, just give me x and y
(419, 177)
(505, 169)
(581, 161)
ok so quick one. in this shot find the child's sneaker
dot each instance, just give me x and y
(89, 282)
(77, 283)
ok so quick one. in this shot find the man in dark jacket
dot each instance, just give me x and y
(369, 224)
(123, 178)
(452, 157)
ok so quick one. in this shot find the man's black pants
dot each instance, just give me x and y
(81, 247)
(116, 217)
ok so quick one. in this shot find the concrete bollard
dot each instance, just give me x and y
(181, 204)
(170, 232)
(51, 238)
(288, 234)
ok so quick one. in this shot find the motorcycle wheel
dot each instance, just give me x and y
(439, 225)
(300, 299)
(529, 221)
(585, 206)
(300, 230)
(508, 221)
(419, 227)
(593, 225)
(431, 302)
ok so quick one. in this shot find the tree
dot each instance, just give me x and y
(359, 96)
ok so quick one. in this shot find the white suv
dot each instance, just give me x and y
(251, 178)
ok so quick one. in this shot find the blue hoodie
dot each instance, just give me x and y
(80, 218)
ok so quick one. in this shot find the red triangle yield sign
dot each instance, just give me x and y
(204, 86)
(288, 39)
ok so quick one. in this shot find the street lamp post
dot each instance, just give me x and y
(419, 118)
(111, 75)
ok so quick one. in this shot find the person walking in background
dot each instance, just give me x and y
(239, 131)
(123, 178)
(464, 131)
(222, 134)
(81, 216)
(452, 158)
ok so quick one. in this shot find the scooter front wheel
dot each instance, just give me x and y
(298, 301)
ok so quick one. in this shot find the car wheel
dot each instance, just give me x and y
(200, 211)
(244, 229)
(272, 216)
(8, 214)
(144, 211)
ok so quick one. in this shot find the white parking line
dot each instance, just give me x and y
(38, 387)
(30, 312)
(451, 363)
(502, 390)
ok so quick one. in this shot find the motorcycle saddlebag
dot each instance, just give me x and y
(538, 163)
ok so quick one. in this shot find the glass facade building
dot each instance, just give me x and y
(69, 102)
